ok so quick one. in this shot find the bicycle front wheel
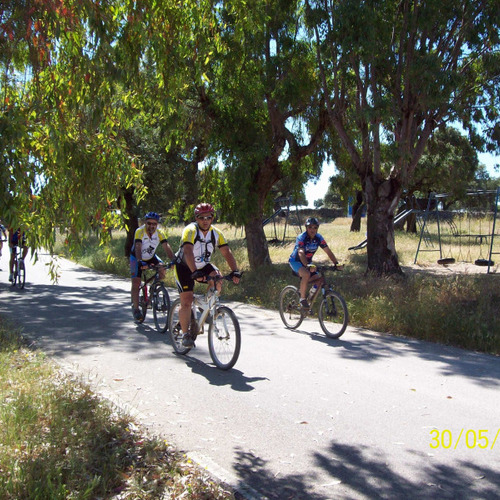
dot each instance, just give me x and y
(333, 316)
(14, 273)
(21, 274)
(290, 310)
(143, 302)
(161, 306)
(174, 328)
(224, 338)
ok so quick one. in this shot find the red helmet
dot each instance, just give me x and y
(204, 208)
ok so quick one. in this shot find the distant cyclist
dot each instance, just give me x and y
(16, 239)
(3, 231)
(146, 239)
(300, 260)
(198, 242)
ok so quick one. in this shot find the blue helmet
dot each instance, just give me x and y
(152, 215)
(312, 221)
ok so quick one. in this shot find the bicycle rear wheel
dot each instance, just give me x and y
(290, 310)
(20, 275)
(333, 315)
(174, 328)
(161, 306)
(224, 338)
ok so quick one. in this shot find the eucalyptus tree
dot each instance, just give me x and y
(393, 72)
(261, 92)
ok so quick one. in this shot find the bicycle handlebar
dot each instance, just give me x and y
(335, 267)
(167, 265)
(218, 277)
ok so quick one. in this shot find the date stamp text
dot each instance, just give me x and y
(470, 438)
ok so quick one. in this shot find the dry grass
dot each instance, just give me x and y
(453, 304)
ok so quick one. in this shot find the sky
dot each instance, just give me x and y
(316, 191)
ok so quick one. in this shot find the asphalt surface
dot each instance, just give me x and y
(300, 415)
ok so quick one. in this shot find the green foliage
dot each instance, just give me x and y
(63, 162)
(448, 165)
(455, 310)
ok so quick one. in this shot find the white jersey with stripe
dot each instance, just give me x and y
(149, 244)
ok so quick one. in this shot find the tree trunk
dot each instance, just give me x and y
(131, 221)
(382, 198)
(357, 210)
(258, 250)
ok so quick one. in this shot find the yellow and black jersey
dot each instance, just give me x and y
(203, 245)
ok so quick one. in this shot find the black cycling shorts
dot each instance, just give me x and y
(183, 276)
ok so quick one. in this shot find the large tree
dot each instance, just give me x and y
(262, 95)
(392, 72)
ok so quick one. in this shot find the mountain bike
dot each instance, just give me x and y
(19, 269)
(153, 295)
(224, 335)
(332, 311)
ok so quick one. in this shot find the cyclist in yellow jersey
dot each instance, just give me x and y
(146, 239)
(198, 242)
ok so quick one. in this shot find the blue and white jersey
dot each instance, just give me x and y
(310, 245)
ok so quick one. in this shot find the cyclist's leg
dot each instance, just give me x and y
(211, 270)
(304, 274)
(185, 285)
(135, 274)
(13, 250)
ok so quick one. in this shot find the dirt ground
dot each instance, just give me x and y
(455, 268)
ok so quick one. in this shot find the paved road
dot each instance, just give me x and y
(300, 415)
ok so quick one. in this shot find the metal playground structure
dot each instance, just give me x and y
(463, 231)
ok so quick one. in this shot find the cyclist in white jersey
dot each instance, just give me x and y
(198, 242)
(146, 239)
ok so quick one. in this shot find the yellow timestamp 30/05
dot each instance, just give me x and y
(470, 438)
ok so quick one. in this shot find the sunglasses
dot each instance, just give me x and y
(152, 223)
(313, 227)
(205, 217)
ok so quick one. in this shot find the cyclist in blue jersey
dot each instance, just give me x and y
(143, 253)
(300, 260)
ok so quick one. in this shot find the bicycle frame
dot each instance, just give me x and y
(323, 285)
(208, 305)
(18, 278)
(144, 285)
(224, 334)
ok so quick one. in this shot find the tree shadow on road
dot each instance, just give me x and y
(353, 473)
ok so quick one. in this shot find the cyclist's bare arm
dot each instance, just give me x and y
(189, 257)
(138, 250)
(231, 261)
(331, 256)
(168, 250)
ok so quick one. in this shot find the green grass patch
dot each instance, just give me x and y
(58, 440)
